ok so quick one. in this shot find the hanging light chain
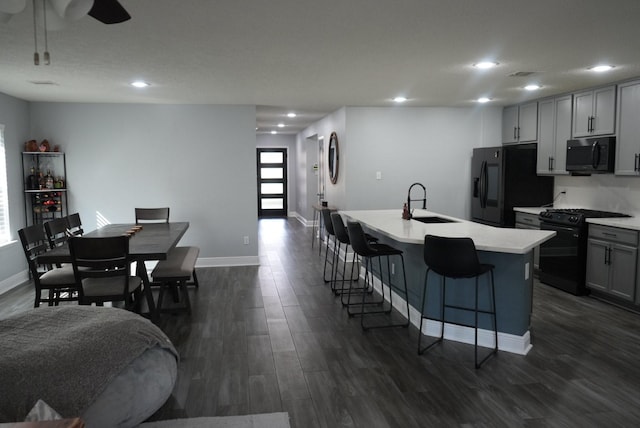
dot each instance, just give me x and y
(47, 58)
(36, 55)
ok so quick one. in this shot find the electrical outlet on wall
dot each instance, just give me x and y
(246, 240)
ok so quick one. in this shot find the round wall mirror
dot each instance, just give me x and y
(333, 157)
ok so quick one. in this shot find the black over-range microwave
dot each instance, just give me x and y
(591, 155)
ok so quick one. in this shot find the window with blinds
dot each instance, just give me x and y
(4, 197)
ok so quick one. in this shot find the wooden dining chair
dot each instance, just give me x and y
(56, 231)
(75, 224)
(101, 266)
(153, 215)
(59, 282)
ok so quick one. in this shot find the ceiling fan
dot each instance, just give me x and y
(54, 14)
(105, 11)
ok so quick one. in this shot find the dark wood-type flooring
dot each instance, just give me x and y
(273, 338)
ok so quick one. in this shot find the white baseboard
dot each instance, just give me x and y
(14, 281)
(520, 345)
(304, 221)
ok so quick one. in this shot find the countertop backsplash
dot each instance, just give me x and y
(605, 192)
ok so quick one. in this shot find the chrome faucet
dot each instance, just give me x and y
(424, 198)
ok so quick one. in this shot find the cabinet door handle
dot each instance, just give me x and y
(552, 163)
(636, 167)
(518, 132)
(515, 130)
(613, 235)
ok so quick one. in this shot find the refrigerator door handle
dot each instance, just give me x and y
(595, 155)
(483, 185)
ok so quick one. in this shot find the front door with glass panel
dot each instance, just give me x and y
(272, 182)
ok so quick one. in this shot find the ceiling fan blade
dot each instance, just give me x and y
(109, 12)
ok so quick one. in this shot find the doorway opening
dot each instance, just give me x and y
(272, 182)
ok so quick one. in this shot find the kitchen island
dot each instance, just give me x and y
(510, 250)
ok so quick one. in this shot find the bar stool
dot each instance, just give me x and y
(456, 258)
(328, 227)
(368, 251)
(342, 235)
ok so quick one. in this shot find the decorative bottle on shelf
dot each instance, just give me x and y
(48, 181)
(32, 181)
(41, 180)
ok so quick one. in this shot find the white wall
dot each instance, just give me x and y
(14, 115)
(282, 141)
(334, 193)
(200, 160)
(432, 146)
(603, 192)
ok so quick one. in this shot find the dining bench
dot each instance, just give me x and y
(176, 270)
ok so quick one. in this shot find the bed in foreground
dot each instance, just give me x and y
(109, 366)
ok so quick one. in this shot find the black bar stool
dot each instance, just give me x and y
(328, 227)
(368, 251)
(342, 235)
(456, 258)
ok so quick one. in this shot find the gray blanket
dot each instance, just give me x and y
(67, 355)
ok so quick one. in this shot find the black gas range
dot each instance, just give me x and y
(563, 258)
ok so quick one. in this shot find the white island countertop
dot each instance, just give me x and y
(486, 238)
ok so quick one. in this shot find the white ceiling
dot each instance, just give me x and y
(313, 57)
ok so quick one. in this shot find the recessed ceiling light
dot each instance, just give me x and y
(601, 68)
(484, 100)
(140, 84)
(485, 64)
(399, 99)
(274, 132)
(281, 125)
(532, 87)
(292, 114)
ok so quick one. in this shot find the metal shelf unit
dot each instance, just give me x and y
(44, 201)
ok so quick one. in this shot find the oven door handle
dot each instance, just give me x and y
(558, 228)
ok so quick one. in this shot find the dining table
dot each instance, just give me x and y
(150, 242)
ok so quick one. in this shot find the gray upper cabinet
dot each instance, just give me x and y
(520, 123)
(554, 129)
(594, 112)
(510, 125)
(628, 137)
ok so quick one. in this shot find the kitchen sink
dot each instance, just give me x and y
(433, 219)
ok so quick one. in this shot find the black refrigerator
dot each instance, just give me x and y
(503, 178)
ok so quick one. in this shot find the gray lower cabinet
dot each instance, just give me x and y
(529, 221)
(612, 259)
